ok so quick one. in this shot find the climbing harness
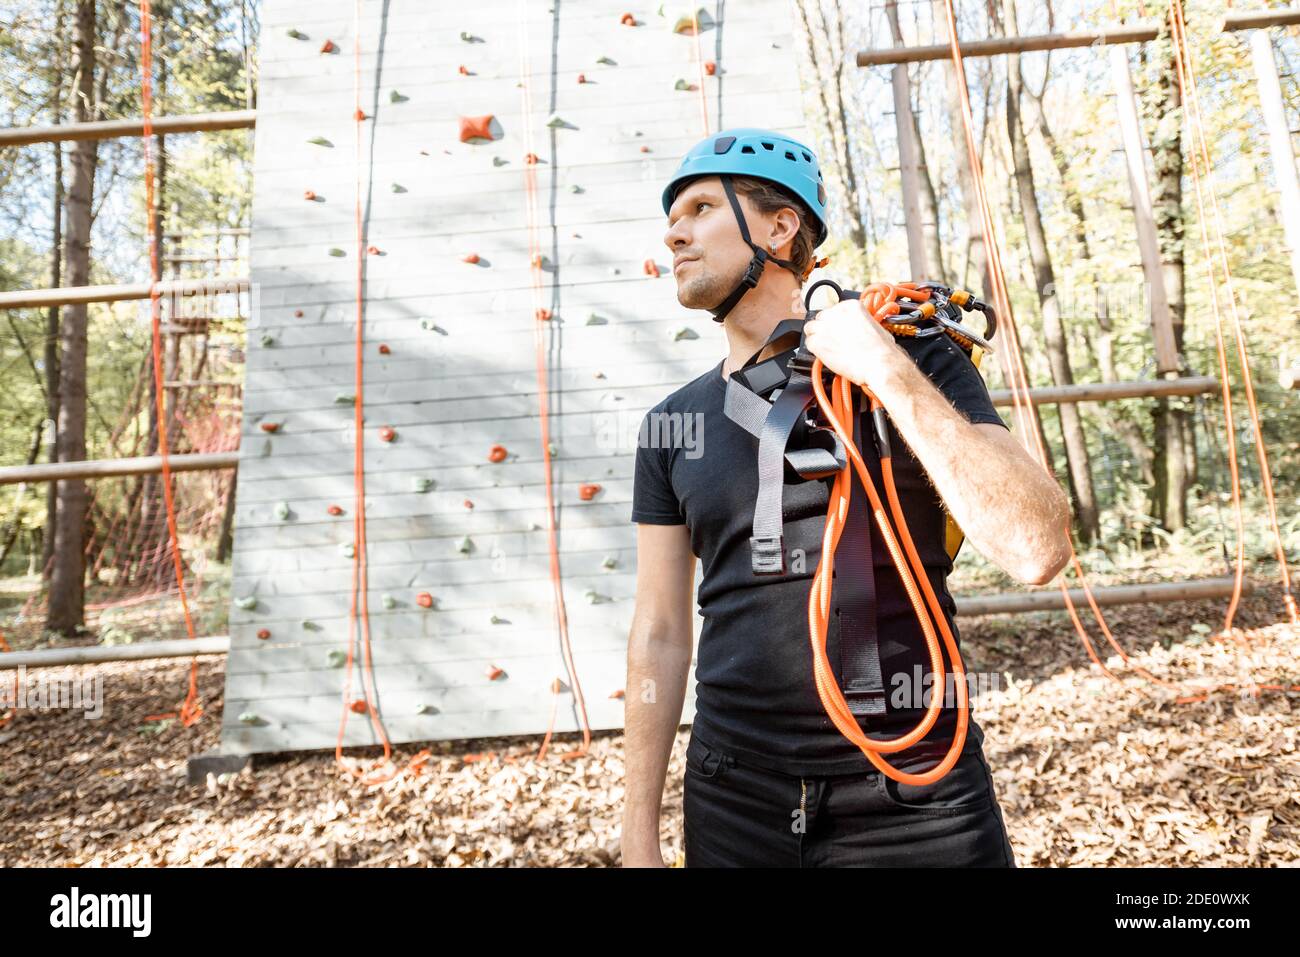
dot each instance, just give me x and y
(762, 154)
(802, 436)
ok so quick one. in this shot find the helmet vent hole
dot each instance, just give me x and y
(806, 156)
(789, 156)
(768, 146)
(747, 149)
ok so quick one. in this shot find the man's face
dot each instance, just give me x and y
(709, 255)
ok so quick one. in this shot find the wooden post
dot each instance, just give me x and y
(909, 162)
(1162, 328)
(1279, 138)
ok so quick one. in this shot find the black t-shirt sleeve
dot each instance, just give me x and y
(953, 373)
(653, 500)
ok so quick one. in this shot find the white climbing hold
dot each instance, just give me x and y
(246, 602)
(347, 550)
(609, 561)
(248, 717)
(282, 510)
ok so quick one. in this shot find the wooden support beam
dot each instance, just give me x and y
(111, 129)
(1053, 600)
(95, 654)
(104, 468)
(1279, 137)
(1108, 391)
(1123, 33)
(74, 295)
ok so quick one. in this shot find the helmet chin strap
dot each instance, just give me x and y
(754, 271)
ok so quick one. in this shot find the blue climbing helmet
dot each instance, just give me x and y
(763, 154)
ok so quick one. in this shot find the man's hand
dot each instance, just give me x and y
(851, 343)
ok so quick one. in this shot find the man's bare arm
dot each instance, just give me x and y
(658, 667)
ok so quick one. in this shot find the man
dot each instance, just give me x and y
(769, 780)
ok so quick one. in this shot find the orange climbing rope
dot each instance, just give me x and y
(1018, 379)
(359, 605)
(191, 709)
(543, 402)
(878, 301)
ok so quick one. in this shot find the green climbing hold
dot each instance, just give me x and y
(609, 561)
(575, 188)
(268, 340)
(297, 34)
(335, 658)
(309, 625)
(605, 60)
(684, 332)
(425, 709)
(345, 398)
(555, 122)
(320, 141)
(282, 510)
(498, 161)
(398, 188)
(389, 601)
(595, 320)
(681, 85)
(335, 251)
(498, 620)
(248, 717)
(465, 545)
(594, 597)
(347, 550)
(395, 97)
(247, 602)
(551, 447)
(421, 484)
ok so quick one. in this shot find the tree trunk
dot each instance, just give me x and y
(1076, 448)
(67, 596)
(52, 316)
(1171, 417)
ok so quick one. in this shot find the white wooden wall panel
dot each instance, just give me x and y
(461, 373)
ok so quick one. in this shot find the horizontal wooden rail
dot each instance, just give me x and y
(1053, 600)
(75, 295)
(105, 468)
(95, 654)
(1107, 391)
(111, 129)
(1122, 33)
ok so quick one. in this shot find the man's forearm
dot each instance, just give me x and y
(1007, 505)
(658, 669)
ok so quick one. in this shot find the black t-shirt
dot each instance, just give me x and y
(755, 693)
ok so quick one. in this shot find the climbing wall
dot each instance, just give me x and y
(462, 614)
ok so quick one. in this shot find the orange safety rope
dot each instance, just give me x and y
(878, 301)
(544, 400)
(1017, 376)
(190, 710)
(359, 606)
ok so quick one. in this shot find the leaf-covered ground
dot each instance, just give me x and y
(1089, 771)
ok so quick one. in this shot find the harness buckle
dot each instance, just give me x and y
(767, 554)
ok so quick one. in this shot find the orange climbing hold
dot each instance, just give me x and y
(308, 195)
(264, 633)
(493, 672)
(462, 70)
(360, 115)
(383, 349)
(619, 694)
(530, 159)
(556, 686)
(497, 453)
(387, 433)
(334, 510)
(710, 67)
(328, 47)
(470, 258)
(651, 268)
(645, 149)
(543, 314)
(424, 600)
(358, 707)
(537, 260)
(374, 251)
(476, 127)
(468, 504)
(627, 20)
(588, 491)
(270, 426)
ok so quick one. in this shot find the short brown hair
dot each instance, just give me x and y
(766, 197)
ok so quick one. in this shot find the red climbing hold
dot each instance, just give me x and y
(360, 115)
(651, 268)
(334, 510)
(424, 600)
(617, 694)
(358, 707)
(470, 258)
(297, 313)
(627, 20)
(476, 127)
(582, 78)
(328, 47)
(493, 672)
(383, 349)
(270, 426)
(530, 159)
(645, 149)
(374, 251)
(387, 433)
(308, 195)
(710, 67)
(543, 314)
(468, 504)
(497, 453)
(587, 491)
(462, 71)
(263, 633)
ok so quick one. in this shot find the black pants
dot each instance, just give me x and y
(739, 815)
